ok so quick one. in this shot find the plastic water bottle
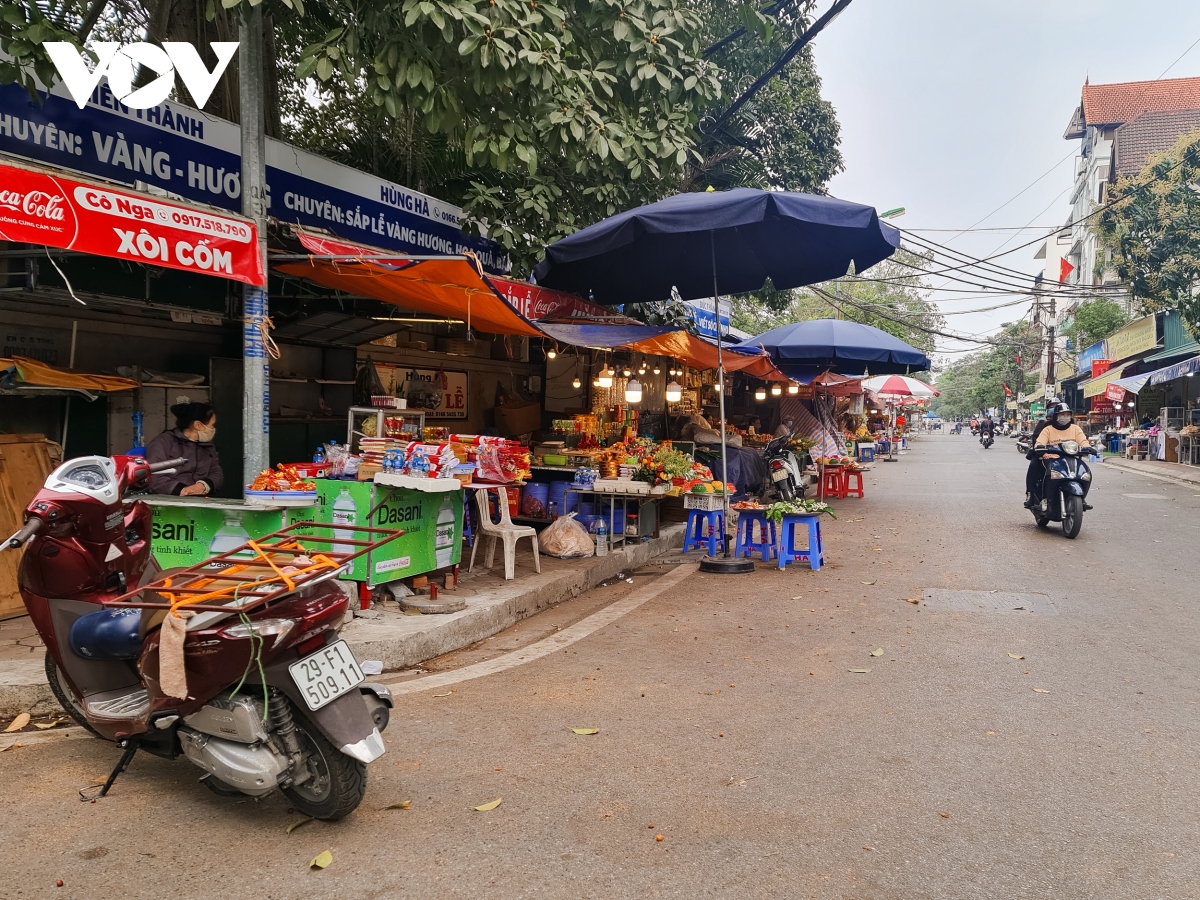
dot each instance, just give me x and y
(601, 538)
(553, 510)
(345, 512)
(319, 455)
(444, 535)
(139, 436)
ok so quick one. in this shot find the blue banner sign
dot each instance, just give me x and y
(1098, 350)
(197, 156)
(1170, 373)
(706, 318)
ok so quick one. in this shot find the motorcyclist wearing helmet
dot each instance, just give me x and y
(1058, 426)
(987, 428)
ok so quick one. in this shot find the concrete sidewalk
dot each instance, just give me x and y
(1157, 469)
(399, 641)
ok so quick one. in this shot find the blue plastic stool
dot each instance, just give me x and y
(746, 545)
(694, 534)
(866, 453)
(814, 553)
(1114, 445)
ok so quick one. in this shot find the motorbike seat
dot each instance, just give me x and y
(107, 634)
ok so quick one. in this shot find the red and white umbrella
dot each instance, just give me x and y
(899, 386)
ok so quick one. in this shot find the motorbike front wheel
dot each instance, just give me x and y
(337, 783)
(66, 697)
(1072, 515)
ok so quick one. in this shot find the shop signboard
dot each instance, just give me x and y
(1136, 337)
(57, 211)
(1103, 406)
(431, 522)
(198, 156)
(1114, 392)
(535, 302)
(440, 393)
(1094, 352)
(1063, 370)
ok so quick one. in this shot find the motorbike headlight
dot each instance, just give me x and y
(1085, 476)
(279, 628)
(1056, 474)
(1071, 447)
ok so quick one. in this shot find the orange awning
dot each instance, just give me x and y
(700, 354)
(450, 287)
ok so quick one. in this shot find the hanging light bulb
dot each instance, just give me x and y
(633, 391)
(793, 388)
(760, 393)
(776, 390)
(674, 392)
(552, 353)
(657, 370)
(627, 372)
(642, 369)
(605, 379)
(576, 383)
(595, 382)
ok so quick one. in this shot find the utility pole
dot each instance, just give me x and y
(1050, 361)
(256, 397)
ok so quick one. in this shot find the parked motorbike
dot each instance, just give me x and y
(786, 476)
(274, 699)
(1064, 486)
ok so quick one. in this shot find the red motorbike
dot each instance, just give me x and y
(274, 700)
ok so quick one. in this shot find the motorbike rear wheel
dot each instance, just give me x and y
(66, 697)
(785, 489)
(1072, 515)
(337, 783)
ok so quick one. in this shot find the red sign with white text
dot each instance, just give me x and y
(1114, 392)
(37, 208)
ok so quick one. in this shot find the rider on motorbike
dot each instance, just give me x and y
(987, 428)
(1058, 426)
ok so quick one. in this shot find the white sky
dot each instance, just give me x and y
(950, 107)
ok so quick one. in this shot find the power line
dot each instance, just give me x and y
(1016, 195)
(1181, 56)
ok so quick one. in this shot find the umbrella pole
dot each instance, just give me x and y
(727, 564)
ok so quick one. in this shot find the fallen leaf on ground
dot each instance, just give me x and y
(878, 651)
(485, 807)
(447, 694)
(409, 611)
(868, 582)
(18, 723)
(1040, 691)
(44, 725)
(1016, 656)
(321, 860)
(912, 599)
(299, 823)
(868, 847)
(859, 671)
(586, 730)
(399, 804)
(945, 815)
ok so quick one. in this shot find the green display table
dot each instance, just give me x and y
(188, 530)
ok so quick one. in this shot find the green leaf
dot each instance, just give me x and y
(325, 68)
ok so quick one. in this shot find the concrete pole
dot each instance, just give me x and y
(256, 388)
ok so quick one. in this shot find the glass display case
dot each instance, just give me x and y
(371, 421)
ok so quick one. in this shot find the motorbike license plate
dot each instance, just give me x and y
(327, 674)
(779, 475)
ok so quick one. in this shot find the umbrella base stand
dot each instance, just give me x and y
(726, 565)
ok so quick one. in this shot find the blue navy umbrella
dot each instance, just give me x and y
(737, 238)
(847, 348)
(707, 244)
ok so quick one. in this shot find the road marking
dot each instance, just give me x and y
(548, 645)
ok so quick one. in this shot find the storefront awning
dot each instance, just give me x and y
(603, 336)
(1096, 386)
(445, 286)
(700, 354)
(21, 371)
(1191, 348)
(52, 210)
(1180, 369)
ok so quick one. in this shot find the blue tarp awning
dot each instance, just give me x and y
(1170, 373)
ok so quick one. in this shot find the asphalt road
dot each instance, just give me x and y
(731, 725)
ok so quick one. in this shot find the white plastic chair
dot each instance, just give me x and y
(505, 531)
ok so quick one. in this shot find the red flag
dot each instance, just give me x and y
(1007, 390)
(1064, 270)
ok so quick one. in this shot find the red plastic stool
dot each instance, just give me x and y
(847, 490)
(835, 485)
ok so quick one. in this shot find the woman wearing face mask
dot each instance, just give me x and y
(191, 438)
(1058, 426)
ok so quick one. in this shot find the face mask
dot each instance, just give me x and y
(1063, 421)
(205, 433)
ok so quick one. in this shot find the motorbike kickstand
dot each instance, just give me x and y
(96, 791)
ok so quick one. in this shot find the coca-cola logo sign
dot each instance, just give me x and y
(34, 203)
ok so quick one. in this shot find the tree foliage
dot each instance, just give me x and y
(1094, 320)
(976, 382)
(536, 117)
(1152, 230)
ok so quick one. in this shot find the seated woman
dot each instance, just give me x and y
(192, 439)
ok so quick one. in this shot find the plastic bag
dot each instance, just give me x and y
(567, 539)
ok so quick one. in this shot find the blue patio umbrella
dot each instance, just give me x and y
(847, 348)
(706, 244)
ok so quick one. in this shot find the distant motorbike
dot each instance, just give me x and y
(987, 440)
(786, 478)
(1064, 486)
